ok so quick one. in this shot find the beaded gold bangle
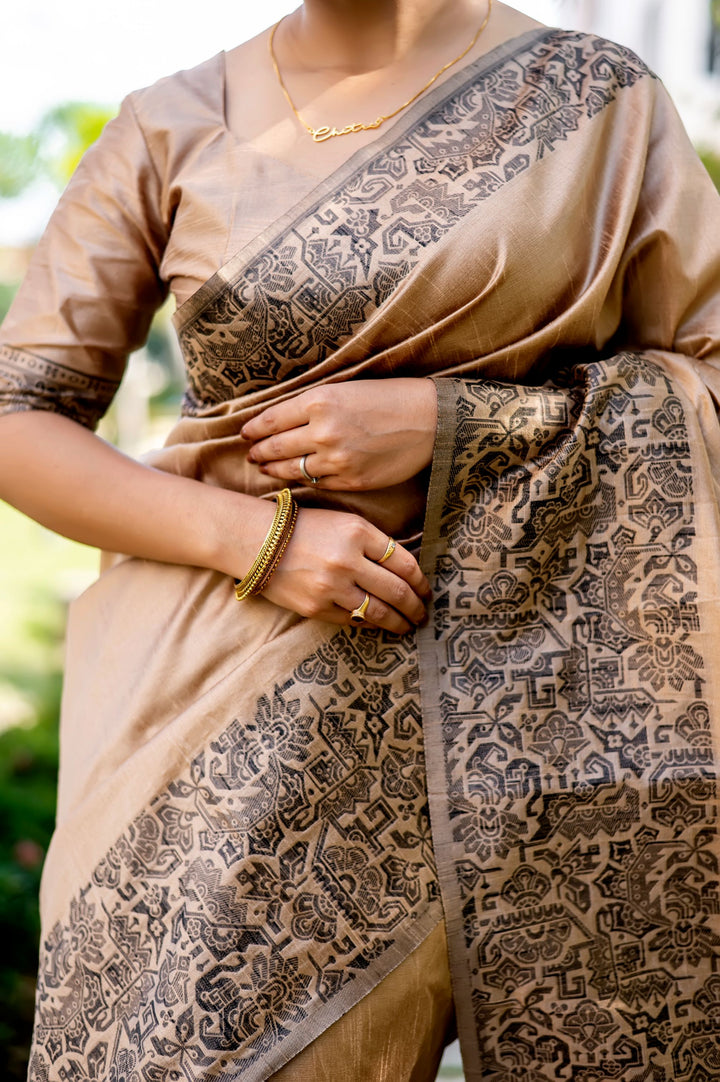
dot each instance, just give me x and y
(272, 548)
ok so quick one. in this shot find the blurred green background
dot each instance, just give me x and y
(39, 571)
(39, 574)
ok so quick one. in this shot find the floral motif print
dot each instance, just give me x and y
(581, 832)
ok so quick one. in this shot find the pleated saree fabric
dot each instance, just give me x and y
(261, 817)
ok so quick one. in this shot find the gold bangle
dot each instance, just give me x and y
(279, 552)
(272, 547)
(284, 500)
(270, 553)
(268, 557)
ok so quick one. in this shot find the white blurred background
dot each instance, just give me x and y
(57, 51)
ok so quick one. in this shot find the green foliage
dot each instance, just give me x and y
(7, 292)
(54, 149)
(711, 161)
(18, 163)
(28, 767)
(37, 570)
(66, 132)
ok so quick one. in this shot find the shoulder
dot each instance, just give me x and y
(595, 56)
(184, 99)
(169, 120)
(558, 68)
(156, 131)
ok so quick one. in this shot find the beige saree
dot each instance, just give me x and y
(262, 817)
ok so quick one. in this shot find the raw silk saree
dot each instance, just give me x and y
(261, 817)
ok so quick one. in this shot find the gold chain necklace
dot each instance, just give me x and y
(320, 135)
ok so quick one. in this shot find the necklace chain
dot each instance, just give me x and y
(321, 134)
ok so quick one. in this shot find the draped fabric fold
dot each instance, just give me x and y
(571, 715)
(262, 817)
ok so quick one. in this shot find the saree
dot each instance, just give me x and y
(261, 817)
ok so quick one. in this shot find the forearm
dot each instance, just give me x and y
(74, 483)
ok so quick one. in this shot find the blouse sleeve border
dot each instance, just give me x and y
(31, 382)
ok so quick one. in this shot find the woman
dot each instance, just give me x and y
(245, 880)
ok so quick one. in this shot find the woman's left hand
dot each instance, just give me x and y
(354, 436)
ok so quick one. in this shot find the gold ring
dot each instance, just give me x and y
(388, 551)
(357, 616)
(304, 471)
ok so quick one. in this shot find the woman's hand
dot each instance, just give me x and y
(95, 494)
(330, 564)
(353, 436)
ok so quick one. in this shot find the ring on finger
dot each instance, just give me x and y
(304, 471)
(357, 616)
(391, 546)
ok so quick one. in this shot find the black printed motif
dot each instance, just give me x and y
(568, 722)
(29, 382)
(576, 740)
(295, 303)
(287, 860)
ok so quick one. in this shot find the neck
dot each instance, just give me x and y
(356, 36)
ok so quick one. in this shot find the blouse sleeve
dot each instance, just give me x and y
(93, 283)
(670, 275)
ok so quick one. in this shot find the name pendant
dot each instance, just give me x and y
(321, 135)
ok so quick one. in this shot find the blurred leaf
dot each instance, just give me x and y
(36, 572)
(7, 292)
(28, 765)
(711, 161)
(66, 132)
(19, 163)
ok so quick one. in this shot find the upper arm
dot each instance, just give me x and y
(93, 283)
(671, 267)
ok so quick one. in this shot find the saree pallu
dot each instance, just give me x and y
(260, 817)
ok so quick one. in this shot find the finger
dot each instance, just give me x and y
(277, 418)
(291, 444)
(378, 614)
(403, 563)
(395, 592)
(291, 470)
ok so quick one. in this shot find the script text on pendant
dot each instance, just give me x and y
(320, 135)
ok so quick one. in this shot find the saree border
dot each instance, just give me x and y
(429, 670)
(191, 308)
(636, 799)
(302, 1036)
(195, 787)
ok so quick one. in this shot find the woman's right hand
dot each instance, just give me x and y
(89, 491)
(330, 564)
